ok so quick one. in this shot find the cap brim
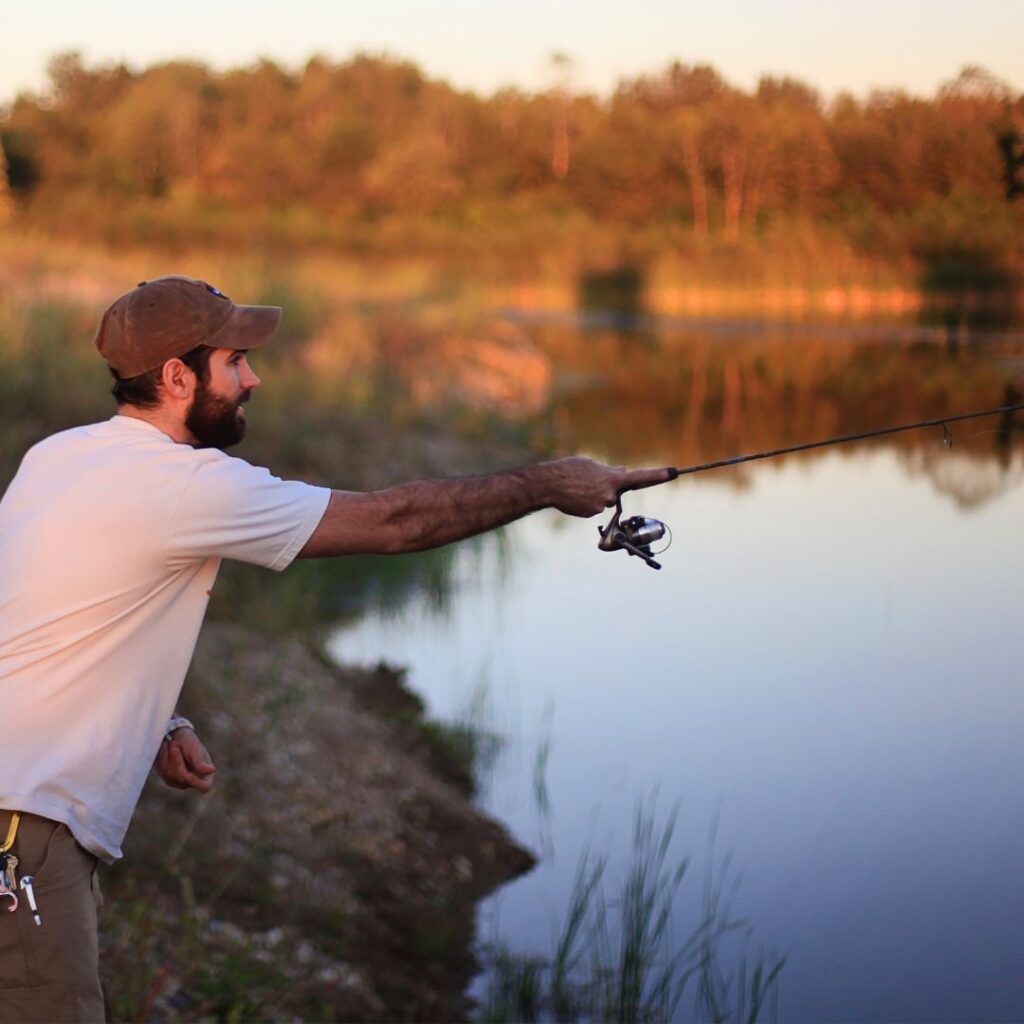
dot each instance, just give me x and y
(247, 327)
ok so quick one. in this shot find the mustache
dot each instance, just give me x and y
(244, 397)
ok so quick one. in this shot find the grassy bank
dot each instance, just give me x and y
(332, 874)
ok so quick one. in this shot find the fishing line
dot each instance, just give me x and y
(637, 534)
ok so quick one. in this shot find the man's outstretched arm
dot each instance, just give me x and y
(428, 513)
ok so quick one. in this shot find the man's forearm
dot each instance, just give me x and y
(429, 513)
(426, 513)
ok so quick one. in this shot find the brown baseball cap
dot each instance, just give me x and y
(169, 316)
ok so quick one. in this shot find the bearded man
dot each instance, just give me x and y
(111, 536)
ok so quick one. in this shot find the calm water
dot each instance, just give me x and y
(828, 667)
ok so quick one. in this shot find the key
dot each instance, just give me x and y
(26, 888)
(6, 870)
(4, 891)
(10, 878)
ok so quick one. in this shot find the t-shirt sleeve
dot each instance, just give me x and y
(231, 509)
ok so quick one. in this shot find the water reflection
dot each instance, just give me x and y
(689, 396)
(828, 664)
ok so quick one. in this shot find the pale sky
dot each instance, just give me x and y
(486, 44)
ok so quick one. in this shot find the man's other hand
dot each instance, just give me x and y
(184, 763)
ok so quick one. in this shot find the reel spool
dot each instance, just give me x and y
(634, 535)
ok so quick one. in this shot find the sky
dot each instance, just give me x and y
(487, 44)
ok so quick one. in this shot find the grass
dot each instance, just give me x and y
(616, 958)
(466, 749)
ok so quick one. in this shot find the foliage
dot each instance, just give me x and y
(373, 157)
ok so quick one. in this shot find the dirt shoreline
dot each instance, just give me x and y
(334, 872)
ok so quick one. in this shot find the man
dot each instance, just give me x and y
(111, 536)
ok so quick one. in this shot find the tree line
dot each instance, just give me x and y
(681, 155)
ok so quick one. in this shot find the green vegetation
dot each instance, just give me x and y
(616, 960)
(466, 749)
(463, 750)
(677, 178)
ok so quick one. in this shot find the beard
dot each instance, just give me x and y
(216, 422)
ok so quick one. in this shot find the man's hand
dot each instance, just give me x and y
(184, 763)
(583, 487)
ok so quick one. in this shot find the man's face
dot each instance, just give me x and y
(216, 418)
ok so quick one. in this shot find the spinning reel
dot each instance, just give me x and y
(634, 535)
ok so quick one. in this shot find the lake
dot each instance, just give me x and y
(825, 675)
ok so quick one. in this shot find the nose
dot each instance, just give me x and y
(249, 380)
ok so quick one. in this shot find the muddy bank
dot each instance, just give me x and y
(333, 872)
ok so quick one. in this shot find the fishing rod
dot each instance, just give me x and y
(638, 534)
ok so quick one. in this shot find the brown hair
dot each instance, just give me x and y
(143, 390)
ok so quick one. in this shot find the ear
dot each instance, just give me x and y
(178, 380)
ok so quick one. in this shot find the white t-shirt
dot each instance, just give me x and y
(111, 536)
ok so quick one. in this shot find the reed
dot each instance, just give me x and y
(616, 958)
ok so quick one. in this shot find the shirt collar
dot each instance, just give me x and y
(134, 423)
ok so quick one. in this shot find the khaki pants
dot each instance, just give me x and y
(50, 973)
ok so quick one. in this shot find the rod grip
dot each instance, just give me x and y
(672, 471)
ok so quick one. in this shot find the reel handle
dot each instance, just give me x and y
(633, 550)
